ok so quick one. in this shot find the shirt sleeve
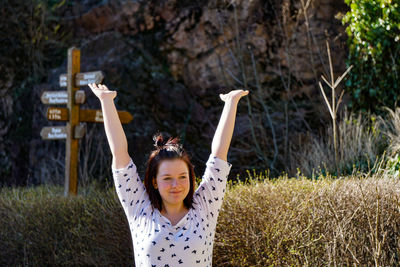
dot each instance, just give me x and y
(210, 193)
(130, 189)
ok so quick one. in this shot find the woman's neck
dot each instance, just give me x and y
(174, 212)
(173, 209)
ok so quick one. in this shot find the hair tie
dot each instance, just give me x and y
(159, 142)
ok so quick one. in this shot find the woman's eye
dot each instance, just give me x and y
(183, 177)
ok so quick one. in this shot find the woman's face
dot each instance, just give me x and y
(172, 181)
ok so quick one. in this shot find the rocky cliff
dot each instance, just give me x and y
(170, 59)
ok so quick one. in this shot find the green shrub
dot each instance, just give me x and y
(374, 51)
(393, 165)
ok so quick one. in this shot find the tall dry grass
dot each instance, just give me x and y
(361, 142)
(391, 128)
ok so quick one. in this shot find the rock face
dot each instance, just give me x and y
(281, 37)
(170, 59)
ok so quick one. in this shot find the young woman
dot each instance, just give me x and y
(171, 223)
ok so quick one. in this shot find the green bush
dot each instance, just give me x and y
(374, 51)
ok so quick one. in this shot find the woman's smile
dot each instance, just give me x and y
(172, 181)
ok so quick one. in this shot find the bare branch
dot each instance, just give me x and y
(342, 76)
(339, 101)
(330, 62)
(323, 78)
(326, 99)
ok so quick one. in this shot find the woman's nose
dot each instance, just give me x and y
(174, 182)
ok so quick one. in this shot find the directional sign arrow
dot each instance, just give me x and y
(61, 97)
(93, 115)
(53, 133)
(85, 115)
(83, 78)
(60, 132)
(57, 114)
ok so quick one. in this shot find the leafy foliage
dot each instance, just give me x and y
(393, 165)
(33, 40)
(374, 51)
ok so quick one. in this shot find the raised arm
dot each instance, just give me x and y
(112, 125)
(223, 134)
(210, 193)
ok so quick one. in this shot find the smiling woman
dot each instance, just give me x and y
(170, 178)
(171, 223)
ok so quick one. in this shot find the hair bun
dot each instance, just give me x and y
(160, 142)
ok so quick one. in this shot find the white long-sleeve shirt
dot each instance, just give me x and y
(155, 240)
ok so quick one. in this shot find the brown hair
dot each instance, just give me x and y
(170, 149)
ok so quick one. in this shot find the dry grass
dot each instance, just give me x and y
(296, 222)
(392, 130)
(344, 222)
(40, 227)
(361, 141)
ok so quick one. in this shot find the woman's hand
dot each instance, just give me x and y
(234, 95)
(102, 92)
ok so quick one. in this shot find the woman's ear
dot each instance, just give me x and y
(154, 183)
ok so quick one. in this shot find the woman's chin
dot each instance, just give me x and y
(175, 199)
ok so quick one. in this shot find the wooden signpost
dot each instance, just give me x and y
(75, 117)
(61, 97)
(85, 115)
(82, 79)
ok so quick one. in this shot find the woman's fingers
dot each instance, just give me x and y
(101, 91)
(103, 87)
(235, 94)
(94, 86)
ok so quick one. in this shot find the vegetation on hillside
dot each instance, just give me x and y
(373, 28)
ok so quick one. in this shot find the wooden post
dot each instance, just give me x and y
(71, 155)
(75, 117)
